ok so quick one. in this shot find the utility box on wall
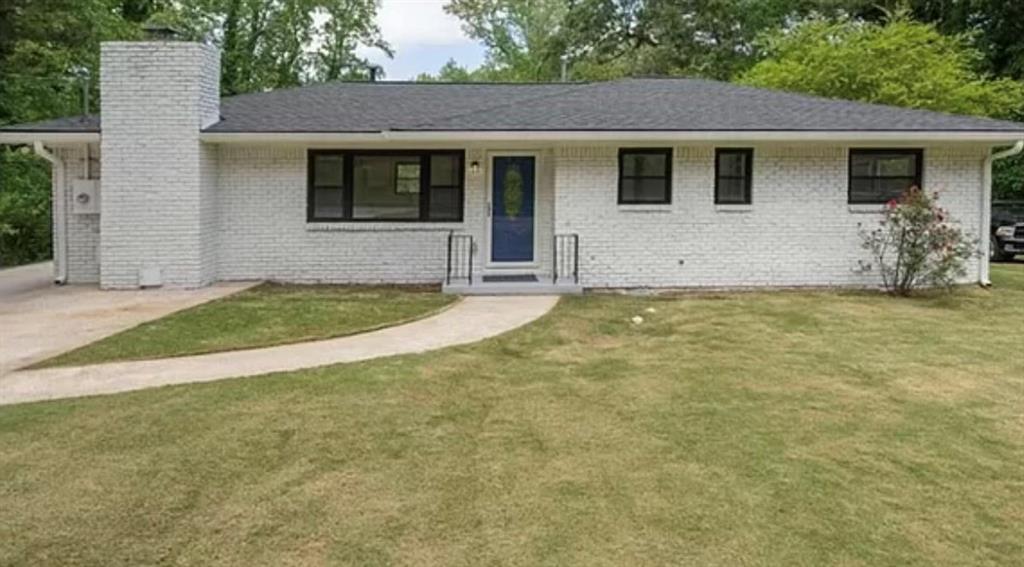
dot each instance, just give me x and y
(85, 196)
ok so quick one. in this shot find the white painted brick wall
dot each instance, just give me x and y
(83, 231)
(159, 183)
(798, 231)
(263, 234)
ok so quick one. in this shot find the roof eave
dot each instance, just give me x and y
(624, 136)
(860, 136)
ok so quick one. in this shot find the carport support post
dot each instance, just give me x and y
(58, 208)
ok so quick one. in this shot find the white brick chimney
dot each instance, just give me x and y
(159, 204)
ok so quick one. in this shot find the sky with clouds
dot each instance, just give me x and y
(424, 38)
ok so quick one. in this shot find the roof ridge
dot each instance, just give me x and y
(465, 83)
(343, 83)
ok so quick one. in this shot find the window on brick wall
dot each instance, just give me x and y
(734, 169)
(877, 176)
(645, 176)
(327, 186)
(382, 186)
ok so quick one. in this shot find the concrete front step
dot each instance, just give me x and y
(540, 287)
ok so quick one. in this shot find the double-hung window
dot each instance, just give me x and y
(385, 186)
(733, 176)
(645, 176)
(878, 176)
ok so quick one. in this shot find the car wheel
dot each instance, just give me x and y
(995, 252)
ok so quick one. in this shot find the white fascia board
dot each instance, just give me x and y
(617, 136)
(48, 138)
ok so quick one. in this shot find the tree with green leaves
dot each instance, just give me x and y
(707, 38)
(899, 62)
(997, 26)
(282, 43)
(49, 55)
(450, 72)
(521, 36)
(527, 40)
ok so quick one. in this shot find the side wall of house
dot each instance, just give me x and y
(82, 231)
(799, 229)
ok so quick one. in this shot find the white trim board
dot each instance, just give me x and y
(584, 136)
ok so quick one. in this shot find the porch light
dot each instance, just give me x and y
(474, 167)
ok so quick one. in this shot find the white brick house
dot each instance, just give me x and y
(632, 183)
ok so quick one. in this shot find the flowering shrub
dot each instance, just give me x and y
(917, 244)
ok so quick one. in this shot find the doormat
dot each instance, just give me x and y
(518, 278)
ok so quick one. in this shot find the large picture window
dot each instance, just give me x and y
(383, 186)
(878, 176)
(645, 176)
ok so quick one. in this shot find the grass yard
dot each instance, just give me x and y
(750, 429)
(266, 315)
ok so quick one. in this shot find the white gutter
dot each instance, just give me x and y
(588, 136)
(59, 207)
(984, 240)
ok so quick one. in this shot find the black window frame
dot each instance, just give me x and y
(667, 152)
(748, 177)
(348, 186)
(916, 180)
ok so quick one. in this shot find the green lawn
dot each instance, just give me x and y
(750, 429)
(266, 315)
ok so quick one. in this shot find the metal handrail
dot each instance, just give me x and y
(460, 254)
(561, 263)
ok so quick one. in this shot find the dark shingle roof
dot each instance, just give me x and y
(701, 105)
(652, 104)
(370, 107)
(89, 123)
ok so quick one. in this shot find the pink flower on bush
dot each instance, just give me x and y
(917, 244)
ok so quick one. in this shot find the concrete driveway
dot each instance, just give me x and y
(39, 319)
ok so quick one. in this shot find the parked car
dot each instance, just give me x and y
(1007, 230)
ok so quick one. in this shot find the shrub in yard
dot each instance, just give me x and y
(917, 244)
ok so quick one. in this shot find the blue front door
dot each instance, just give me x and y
(512, 209)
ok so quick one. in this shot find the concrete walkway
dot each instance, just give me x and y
(39, 319)
(472, 319)
(22, 279)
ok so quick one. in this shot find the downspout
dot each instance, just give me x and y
(984, 241)
(59, 206)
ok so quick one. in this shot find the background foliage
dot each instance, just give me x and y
(899, 62)
(49, 52)
(963, 56)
